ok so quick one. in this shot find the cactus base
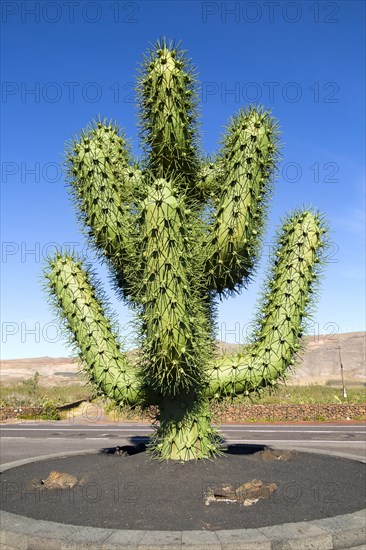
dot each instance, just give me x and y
(184, 431)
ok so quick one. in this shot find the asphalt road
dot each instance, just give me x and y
(35, 439)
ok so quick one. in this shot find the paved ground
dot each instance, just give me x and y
(337, 532)
(31, 439)
(136, 492)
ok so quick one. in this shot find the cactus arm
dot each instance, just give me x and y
(209, 179)
(244, 170)
(99, 351)
(173, 326)
(167, 115)
(282, 312)
(102, 183)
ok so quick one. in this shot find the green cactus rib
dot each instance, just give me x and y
(208, 180)
(248, 156)
(284, 306)
(100, 353)
(179, 232)
(175, 332)
(168, 115)
(103, 185)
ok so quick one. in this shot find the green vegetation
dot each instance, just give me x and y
(179, 232)
(31, 385)
(311, 394)
(24, 395)
(17, 396)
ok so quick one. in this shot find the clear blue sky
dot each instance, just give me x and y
(66, 62)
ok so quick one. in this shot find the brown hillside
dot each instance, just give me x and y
(320, 363)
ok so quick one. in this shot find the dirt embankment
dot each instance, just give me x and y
(319, 364)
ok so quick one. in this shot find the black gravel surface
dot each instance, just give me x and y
(136, 492)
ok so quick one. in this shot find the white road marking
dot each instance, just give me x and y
(96, 439)
(74, 429)
(292, 441)
(295, 431)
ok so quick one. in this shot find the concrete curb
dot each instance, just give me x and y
(338, 532)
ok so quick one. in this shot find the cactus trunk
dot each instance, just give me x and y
(179, 232)
(185, 431)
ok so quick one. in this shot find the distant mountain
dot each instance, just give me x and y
(320, 363)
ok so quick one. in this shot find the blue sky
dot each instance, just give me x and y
(64, 63)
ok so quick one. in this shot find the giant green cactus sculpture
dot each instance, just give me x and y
(177, 232)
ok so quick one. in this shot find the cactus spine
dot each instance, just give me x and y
(177, 232)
